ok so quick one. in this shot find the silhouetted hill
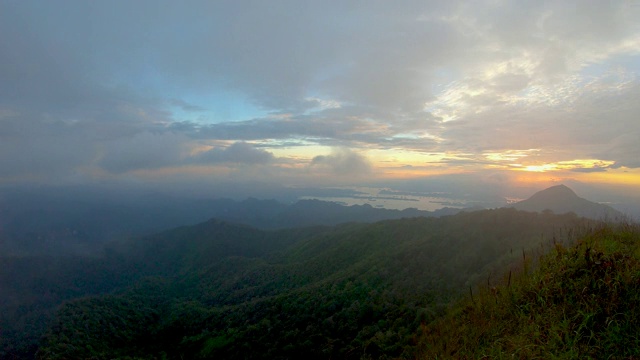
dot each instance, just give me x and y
(560, 199)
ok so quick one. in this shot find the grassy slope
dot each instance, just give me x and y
(581, 301)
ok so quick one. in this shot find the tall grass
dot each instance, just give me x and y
(577, 301)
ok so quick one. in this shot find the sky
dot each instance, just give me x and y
(479, 96)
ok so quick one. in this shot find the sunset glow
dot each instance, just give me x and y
(476, 95)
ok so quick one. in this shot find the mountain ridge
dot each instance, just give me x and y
(72, 224)
(348, 289)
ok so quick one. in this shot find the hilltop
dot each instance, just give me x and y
(561, 199)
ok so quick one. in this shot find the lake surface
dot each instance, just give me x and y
(389, 199)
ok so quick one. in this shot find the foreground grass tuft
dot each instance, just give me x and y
(581, 301)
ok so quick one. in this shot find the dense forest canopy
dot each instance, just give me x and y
(219, 289)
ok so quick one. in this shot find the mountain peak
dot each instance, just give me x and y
(556, 193)
(561, 199)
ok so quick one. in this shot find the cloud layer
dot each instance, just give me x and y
(411, 88)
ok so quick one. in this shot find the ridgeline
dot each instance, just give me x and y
(537, 285)
(220, 290)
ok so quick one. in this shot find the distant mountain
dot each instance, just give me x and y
(560, 199)
(65, 223)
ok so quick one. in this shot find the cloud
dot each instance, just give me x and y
(342, 162)
(585, 124)
(35, 151)
(185, 106)
(239, 152)
(144, 151)
(589, 170)
(138, 86)
(624, 150)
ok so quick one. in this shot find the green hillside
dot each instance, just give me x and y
(354, 291)
(582, 301)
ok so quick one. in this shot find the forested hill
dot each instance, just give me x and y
(219, 290)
